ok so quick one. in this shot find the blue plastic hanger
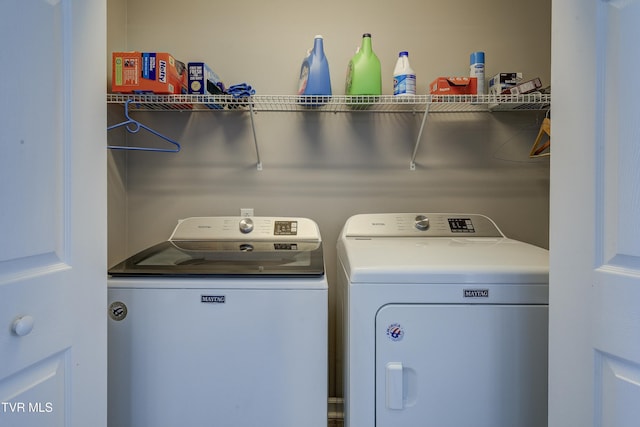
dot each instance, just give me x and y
(134, 126)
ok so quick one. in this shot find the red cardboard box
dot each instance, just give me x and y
(454, 86)
(155, 72)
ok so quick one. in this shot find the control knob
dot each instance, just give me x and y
(246, 225)
(422, 222)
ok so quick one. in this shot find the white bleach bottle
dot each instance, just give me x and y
(404, 78)
(476, 69)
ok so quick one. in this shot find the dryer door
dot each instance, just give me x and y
(461, 365)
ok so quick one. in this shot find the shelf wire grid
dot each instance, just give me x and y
(335, 103)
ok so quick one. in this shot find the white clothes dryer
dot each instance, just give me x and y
(445, 323)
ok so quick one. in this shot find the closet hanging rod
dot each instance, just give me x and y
(134, 126)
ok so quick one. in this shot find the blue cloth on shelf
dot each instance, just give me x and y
(241, 90)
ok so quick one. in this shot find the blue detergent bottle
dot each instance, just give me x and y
(314, 73)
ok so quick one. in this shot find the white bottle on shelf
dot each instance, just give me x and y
(476, 69)
(404, 78)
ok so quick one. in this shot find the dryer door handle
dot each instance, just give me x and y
(395, 385)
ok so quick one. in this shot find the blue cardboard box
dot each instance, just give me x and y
(203, 80)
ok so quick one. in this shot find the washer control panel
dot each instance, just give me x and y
(285, 228)
(421, 225)
(246, 228)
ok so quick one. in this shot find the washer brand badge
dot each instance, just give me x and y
(215, 299)
(118, 310)
(395, 332)
(476, 293)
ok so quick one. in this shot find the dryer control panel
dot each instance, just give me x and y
(421, 225)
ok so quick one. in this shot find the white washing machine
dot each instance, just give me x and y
(445, 323)
(224, 324)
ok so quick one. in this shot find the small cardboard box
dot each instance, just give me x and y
(203, 80)
(454, 86)
(142, 72)
(502, 81)
(526, 87)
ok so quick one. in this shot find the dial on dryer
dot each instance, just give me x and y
(422, 222)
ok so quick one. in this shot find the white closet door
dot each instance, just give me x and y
(594, 365)
(53, 213)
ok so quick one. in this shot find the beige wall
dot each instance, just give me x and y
(263, 42)
(322, 165)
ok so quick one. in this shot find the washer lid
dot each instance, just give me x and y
(232, 246)
(193, 258)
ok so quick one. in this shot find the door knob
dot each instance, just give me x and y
(23, 325)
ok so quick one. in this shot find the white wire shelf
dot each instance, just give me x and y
(424, 104)
(336, 103)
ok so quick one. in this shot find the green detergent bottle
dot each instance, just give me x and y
(364, 74)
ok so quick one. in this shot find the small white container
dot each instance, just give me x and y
(404, 78)
(476, 69)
